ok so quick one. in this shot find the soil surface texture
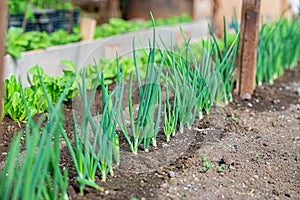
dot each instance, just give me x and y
(251, 150)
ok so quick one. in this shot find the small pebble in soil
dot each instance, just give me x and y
(142, 183)
(249, 105)
(275, 101)
(165, 145)
(287, 195)
(171, 174)
(258, 137)
(298, 90)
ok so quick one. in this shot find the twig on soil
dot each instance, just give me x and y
(204, 129)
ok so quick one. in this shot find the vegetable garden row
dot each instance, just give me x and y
(192, 77)
(18, 42)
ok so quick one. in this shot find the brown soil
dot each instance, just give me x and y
(256, 142)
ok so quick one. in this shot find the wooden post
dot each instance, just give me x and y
(248, 48)
(3, 21)
(284, 8)
(71, 17)
(24, 23)
(109, 9)
(217, 21)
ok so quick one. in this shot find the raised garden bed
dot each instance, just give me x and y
(84, 53)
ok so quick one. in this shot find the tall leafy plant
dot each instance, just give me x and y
(42, 153)
(225, 61)
(272, 56)
(96, 141)
(144, 128)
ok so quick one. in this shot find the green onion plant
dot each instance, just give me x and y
(182, 81)
(41, 157)
(171, 116)
(145, 127)
(278, 49)
(96, 142)
(225, 62)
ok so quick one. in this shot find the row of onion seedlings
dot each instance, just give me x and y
(195, 86)
(278, 49)
(191, 86)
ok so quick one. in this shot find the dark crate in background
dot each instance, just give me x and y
(45, 20)
(62, 19)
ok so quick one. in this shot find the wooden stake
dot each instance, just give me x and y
(24, 23)
(3, 27)
(248, 48)
(87, 28)
(71, 17)
(3, 21)
(217, 22)
(284, 7)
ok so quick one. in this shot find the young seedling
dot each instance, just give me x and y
(220, 169)
(234, 118)
(206, 165)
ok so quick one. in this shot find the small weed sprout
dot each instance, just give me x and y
(220, 169)
(206, 165)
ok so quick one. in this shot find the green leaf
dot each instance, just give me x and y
(70, 65)
(34, 70)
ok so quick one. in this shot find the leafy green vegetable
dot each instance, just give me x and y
(18, 6)
(13, 98)
(118, 26)
(37, 103)
(18, 42)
